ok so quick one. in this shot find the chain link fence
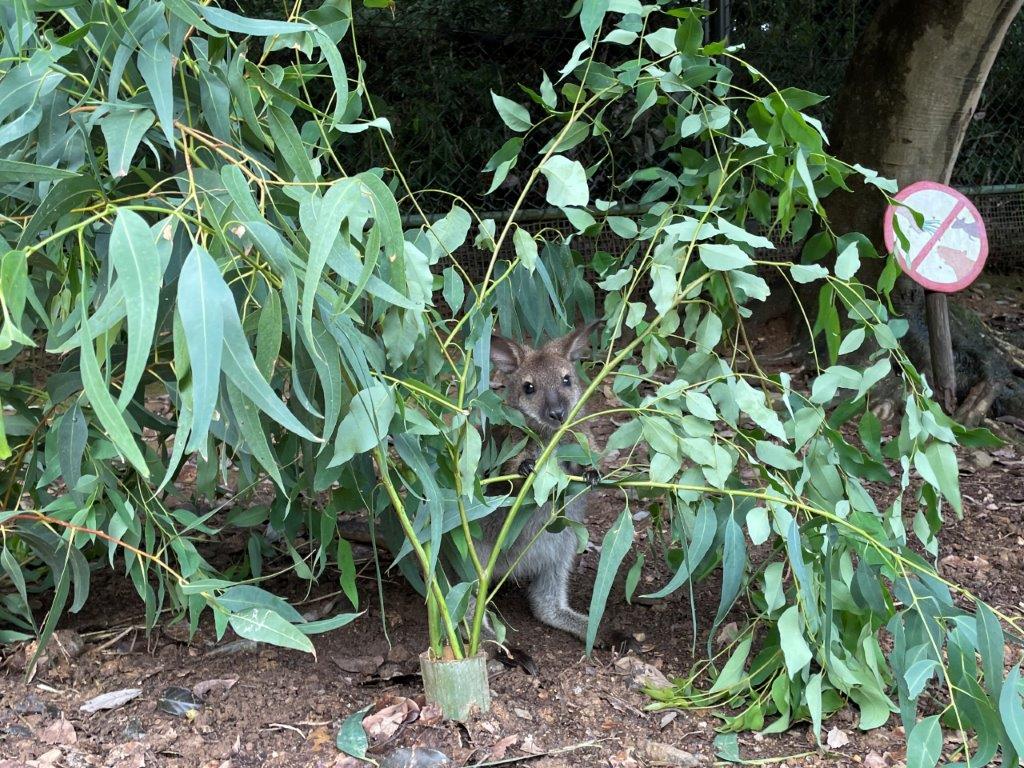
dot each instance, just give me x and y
(808, 45)
(446, 127)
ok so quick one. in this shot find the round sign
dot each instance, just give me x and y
(948, 252)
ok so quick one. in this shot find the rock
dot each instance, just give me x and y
(837, 738)
(982, 459)
(665, 754)
(131, 754)
(641, 674)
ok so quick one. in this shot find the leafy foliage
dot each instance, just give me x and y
(197, 292)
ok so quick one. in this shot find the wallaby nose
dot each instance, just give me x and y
(557, 414)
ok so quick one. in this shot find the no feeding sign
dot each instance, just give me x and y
(948, 252)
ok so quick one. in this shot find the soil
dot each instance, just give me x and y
(265, 706)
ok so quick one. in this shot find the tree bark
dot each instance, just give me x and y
(908, 95)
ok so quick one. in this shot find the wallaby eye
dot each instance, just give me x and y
(566, 380)
(528, 388)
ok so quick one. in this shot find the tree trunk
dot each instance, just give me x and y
(909, 93)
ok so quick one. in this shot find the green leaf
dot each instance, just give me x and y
(503, 161)
(567, 182)
(848, 262)
(139, 271)
(289, 144)
(734, 562)
(723, 257)
(347, 572)
(547, 92)
(203, 324)
(232, 22)
(514, 115)
(805, 177)
(777, 456)
(327, 625)
(469, 459)
(526, 248)
(123, 130)
(633, 577)
(17, 171)
(937, 465)
(247, 420)
(322, 225)
(155, 66)
(266, 626)
(624, 227)
(339, 77)
(700, 405)
(814, 703)
(924, 745)
(1010, 710)
(704, 529)
(852, 341)
(366, 423)
(591, 15)
(918, 675)
(453, 290)
(990, 648)
(732, 672)
(794, 647)
(73, 434)
(240, 368)
(351, 736)
(758, 526)
(246, 596)
(108, 413)
(807, 273)
(616, 543)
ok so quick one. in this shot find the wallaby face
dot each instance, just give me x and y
(542, 384)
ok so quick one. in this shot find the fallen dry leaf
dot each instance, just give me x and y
(499, 748)
(59, 732)
(530, 747)
(875, 760)
(111, 700)
(383, 724)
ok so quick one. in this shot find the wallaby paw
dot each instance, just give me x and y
(513, 657)
(526, 467)
(592, 477)
(619, 642)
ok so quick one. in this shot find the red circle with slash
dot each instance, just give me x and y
(948, 252)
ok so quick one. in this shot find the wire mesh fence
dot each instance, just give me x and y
(446, 128)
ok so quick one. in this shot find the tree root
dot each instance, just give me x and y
(976, 406)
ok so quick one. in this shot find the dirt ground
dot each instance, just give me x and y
(264, 706)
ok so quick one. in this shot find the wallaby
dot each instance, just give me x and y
(544, 386)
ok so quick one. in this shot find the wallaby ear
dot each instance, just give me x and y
(506, 355)
(576, 344)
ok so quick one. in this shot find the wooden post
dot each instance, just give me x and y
(940, 342)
